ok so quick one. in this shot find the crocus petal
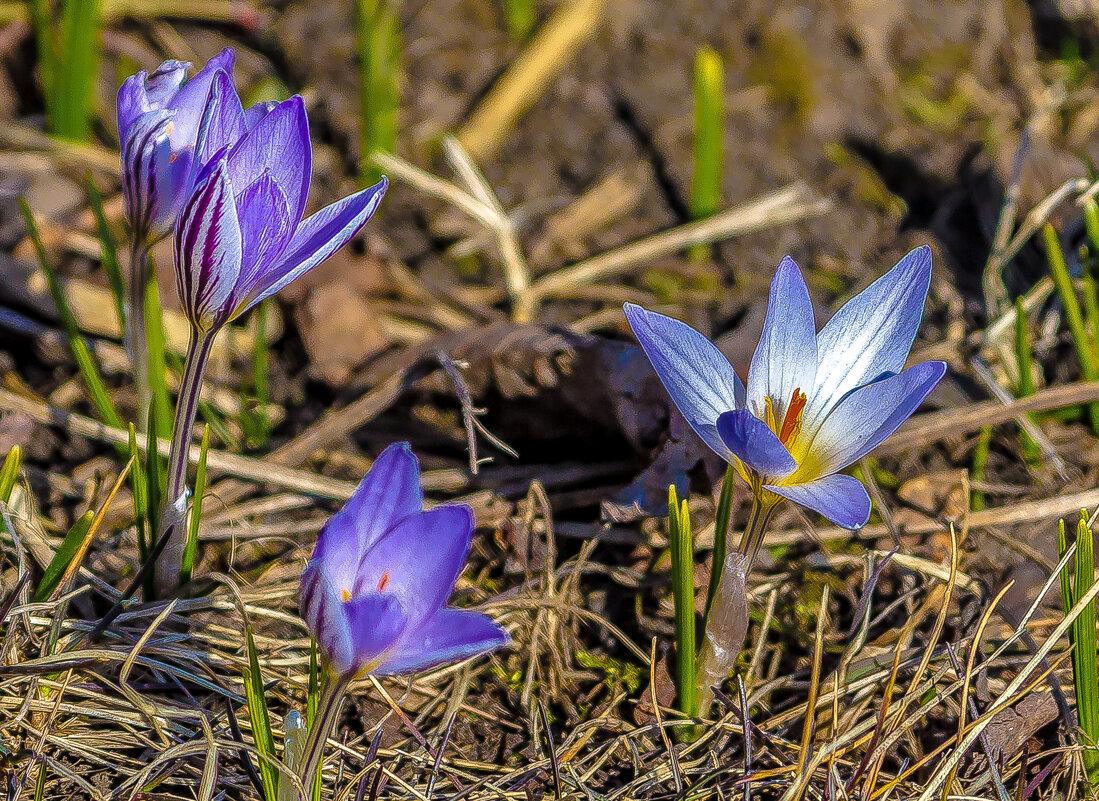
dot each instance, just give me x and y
(374, 622)
(315, 239)
(701, 382)
(146, 155)
(786, 358)
(132, 103)
(871, 335)
(322, 610)
(840, 498)
(449, 636)
(866, 417)
(161, 87)
(279, 143)
(388, 493)
(265, 226)
(190, 100)
(418, 561)
(254, 113)
(208, 250)
(755, 444)
(221, 124)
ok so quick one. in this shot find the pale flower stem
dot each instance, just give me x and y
(135, 333)
(328, 712)
(727, 623)
(174, 508)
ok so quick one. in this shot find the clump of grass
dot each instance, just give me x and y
(1082, 636)
(68, 59)
(379, 40)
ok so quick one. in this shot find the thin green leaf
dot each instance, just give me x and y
(681, 541)
(980, 459)
(1085, 668)
(709, 135)
(61, 560)
(311, 701)
(141, 497)
(155, 480)
(9, 473)
(158, 370)
(109, 257)
(1058, 269)
(261, 720)
(40, 785)
(43, 23)
(191, 548)
(721, 537)
(379, 42)
(76, 70)
(85, 361)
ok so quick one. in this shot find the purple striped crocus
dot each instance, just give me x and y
(815, 402)
(374, 593)
(239, 239)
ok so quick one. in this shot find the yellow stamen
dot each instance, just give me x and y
(770, 421)
(345, 595)
(791, 423)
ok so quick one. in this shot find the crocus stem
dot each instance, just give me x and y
(175, 494)
(328, 711)
(727, 622)
(136, 342)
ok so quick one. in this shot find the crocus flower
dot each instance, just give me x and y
(374, 592)
(814, 402)
(158, 121)
(241, 237)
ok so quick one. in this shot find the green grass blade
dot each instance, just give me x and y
(1085, 668)
(42, 21)
(379, 42)
(141, 500)
(191, 548)
(683, 596)
(9, 473)
(85, 361)
(68, 549)
(155, 480)
(261, 720)
(76, 69)
(1089, 362)
(520, 17)
(109, 258)
(311, 700)
(709, 134)
(158, 370)
(980, 460)
(721, 537)
(254, 409)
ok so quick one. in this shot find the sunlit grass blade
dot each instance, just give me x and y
(681, 540)
(980, 461)
(709, 133)
(75, 70)
(254, 409)
(1089, 362)
(109, 258)
(191, 548)
(155, 479)
(141, 502)
(721, 537)
(379, 42)
(43, 24)
(85, 361)
(311, 702)
(520, 17)
(155, 347)
(1024, 363)
(261, 721)
(1084, 667)
(9, 473)
(69, 548)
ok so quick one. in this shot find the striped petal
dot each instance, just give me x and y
(208, 251)
(146, 160)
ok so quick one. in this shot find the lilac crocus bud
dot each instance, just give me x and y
(158, 120)
(374, 593)
(240, 236)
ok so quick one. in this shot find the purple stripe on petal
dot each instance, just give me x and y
(786, 358)
(449, 636)
(701, 382)
(840, 498)
(751, 441)
(323, 612)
